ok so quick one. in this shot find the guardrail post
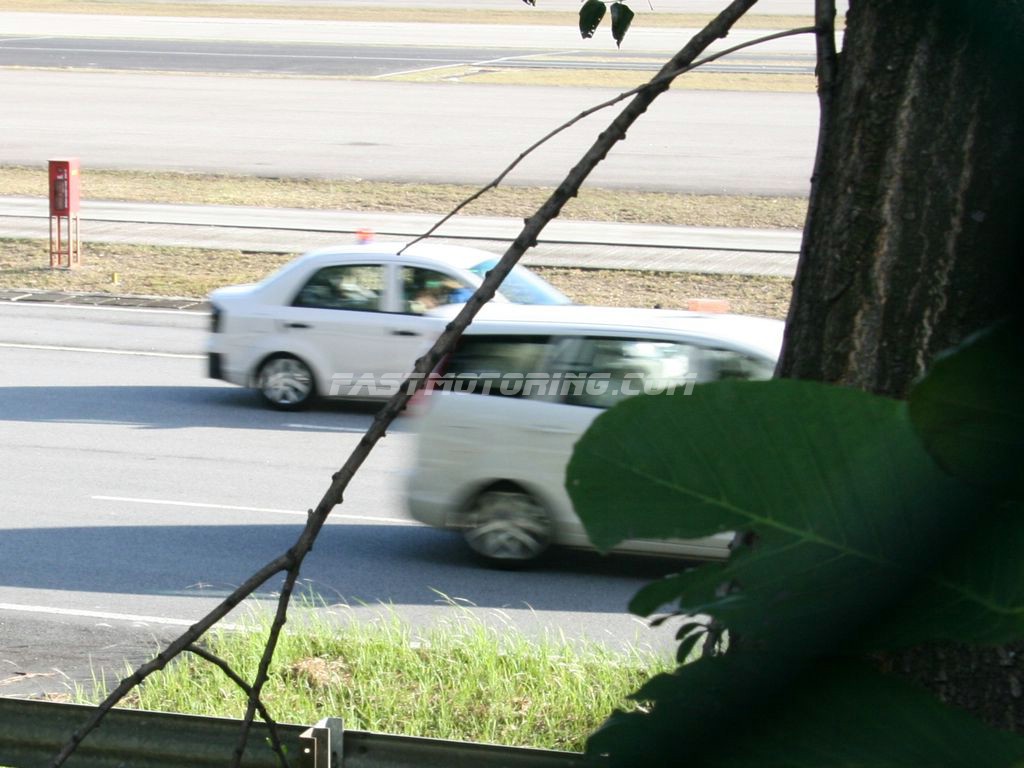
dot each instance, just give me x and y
(323, 744)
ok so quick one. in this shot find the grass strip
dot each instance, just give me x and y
(593, 203)
(461, 680)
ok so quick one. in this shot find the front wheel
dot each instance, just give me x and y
(507, 527)
(286, 383)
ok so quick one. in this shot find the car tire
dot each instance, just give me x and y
(507, 527)
(286, 383)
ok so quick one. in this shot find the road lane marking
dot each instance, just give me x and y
(98, 350)
(233, 508)
(102, 615)
(321, 428)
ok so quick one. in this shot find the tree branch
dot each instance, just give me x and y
(268, 655)
(275, 739)
(291, 561)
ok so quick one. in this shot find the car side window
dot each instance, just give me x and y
(721, 364)
(425, 289)
(600, 372)
(506, 366)
(344, 286)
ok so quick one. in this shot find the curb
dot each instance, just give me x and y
(12, 296)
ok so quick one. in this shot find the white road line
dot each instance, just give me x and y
(418, 70)
(98, 615)
(233, 508)
(320, 428)
(100, 351)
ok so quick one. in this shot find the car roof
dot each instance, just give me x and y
(457, 256)
(761, 335)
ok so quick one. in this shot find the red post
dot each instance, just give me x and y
(65, 236)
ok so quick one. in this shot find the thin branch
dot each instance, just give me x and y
(826, 69)
(664, 76)
(263, 672)
(275, 739)
(175, 648)
(827, 57)
(291, 560)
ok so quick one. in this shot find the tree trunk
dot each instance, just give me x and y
(914, 237)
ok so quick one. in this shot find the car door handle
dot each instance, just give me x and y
(550, 430)
(405, 333)
(297, 325)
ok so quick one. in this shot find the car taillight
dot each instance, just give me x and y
(215, 317)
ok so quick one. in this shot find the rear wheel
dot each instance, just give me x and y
(507, 527)
(286, 383)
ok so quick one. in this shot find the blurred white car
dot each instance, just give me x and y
(348, 312)
(496, 431)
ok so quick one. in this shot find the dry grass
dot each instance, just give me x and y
(193, 272)
(593, 204)
(132, 269)
(746, 294)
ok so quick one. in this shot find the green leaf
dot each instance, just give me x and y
(622, 17)
(975, 595)
(729, 712)
(851, 519)
(969, 409)
(590, 16)
(788, 458)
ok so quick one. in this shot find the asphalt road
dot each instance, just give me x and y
(137, 494)
(689, 141)
(322, 59)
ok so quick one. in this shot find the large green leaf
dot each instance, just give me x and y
(969, 409)
(729, 712)
(851, 521)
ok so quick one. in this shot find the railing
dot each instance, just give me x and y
(33, 732)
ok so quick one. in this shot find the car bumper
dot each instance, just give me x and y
(426, 505)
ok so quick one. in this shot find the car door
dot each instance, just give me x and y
(345, 314)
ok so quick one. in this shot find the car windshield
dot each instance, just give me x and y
(522, 286)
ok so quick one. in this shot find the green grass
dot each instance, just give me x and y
(463, 680)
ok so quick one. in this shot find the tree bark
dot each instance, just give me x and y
(914, 238)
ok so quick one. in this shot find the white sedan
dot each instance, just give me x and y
(348, 314)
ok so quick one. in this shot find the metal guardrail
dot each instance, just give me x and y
(33, 732)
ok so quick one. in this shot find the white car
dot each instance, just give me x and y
(496, 430)
(339, 314)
